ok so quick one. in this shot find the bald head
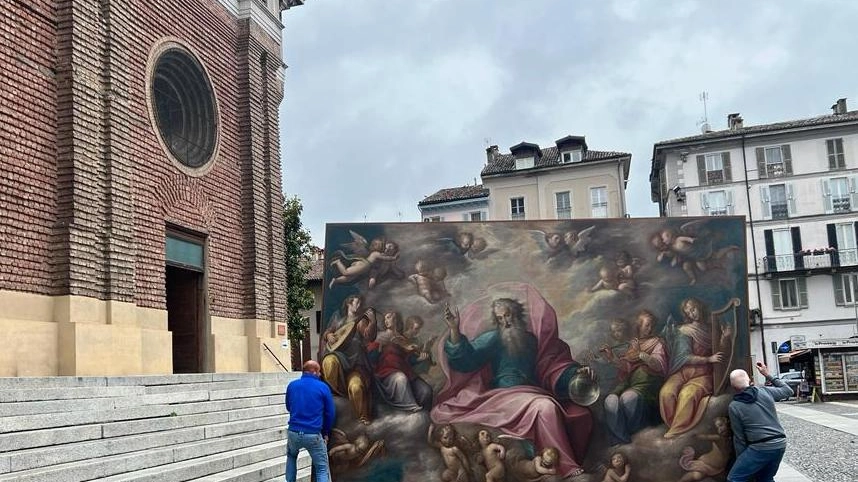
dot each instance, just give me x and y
(312, 367)
(740, 379)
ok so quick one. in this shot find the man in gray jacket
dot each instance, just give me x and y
(758, 437)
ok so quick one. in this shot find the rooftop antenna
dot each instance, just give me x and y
(487, 141)
(399, 213)
(704, 123)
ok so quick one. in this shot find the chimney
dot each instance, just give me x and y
(734, 121)
(491, 154)
(840, 107)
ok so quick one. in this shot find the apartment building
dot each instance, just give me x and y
(795, 182)
(563, 181)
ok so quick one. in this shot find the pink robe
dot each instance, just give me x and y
(528, 412)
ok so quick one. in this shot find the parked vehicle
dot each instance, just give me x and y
(793, 379)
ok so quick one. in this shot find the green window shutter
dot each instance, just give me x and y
(776, 294)
(787, 157)
(701, 170)
(838, 289)
(728, 170)
(802, 292)
(761, 163)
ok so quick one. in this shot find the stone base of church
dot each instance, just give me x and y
(81, 336)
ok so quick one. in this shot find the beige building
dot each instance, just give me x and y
(563, 181)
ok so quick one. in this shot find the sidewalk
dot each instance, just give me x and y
(788, 474)
(836, 422)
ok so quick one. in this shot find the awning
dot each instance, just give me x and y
(788, 357)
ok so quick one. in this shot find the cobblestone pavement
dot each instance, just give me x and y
(818, 452)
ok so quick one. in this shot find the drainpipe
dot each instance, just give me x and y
(754, 252)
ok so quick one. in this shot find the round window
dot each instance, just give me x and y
(184, 107)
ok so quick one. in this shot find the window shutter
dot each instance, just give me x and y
(484, 215)
(853, 195)
(826, 197)
(787, 157)
(841, 161)
(790, 199)
(767, 205)
(704, 203)
(802, 292)
(832, 153)
(701, 170)
(776, 294)
(795, 231)
(832, 235)
(761, 163)
(730, 202)
(837, 278)
(728, 169)
(771, 264)
(466, 216)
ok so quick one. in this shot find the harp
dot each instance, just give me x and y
(723, 329)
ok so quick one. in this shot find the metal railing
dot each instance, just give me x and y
(811, 259)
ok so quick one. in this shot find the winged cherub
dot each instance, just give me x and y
(370, 260)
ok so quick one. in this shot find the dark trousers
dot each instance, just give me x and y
(761, 464)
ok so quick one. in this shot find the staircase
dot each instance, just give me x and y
(205, 427)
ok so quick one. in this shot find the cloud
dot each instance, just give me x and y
(389, 101)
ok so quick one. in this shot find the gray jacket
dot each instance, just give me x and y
(753, 417)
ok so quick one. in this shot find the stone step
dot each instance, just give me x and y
(11, 383)
(53, 420)
(88, 404)
(257, 472)
(213, 424)
(203, 466)
(18, 395)
(303, 475)
(242, 449)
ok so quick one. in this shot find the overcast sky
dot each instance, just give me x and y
(388, 101)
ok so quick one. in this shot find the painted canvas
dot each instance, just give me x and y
(583, 350)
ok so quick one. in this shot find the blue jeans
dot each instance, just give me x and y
(315, 445)
(762, 464)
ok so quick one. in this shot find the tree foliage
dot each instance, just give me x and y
(299, 260)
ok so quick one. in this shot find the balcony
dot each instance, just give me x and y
(810, 261)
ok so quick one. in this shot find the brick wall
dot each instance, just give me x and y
(102, 186)
(27, 144)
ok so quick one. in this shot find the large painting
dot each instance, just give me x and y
(583, 350)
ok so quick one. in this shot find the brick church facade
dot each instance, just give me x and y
(140, 192)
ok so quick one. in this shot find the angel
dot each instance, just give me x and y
(493, 455)
(467, 245)
(552, 244)
(607, 280)
(627, 267)
(368, 260)
(345, 453)
(429, 281)
(712, 462)
(457, 468)
(685, 249)
(620, 469)
(540, 466)
(578, 241)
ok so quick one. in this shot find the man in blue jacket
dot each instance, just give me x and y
(758, 437)
(311, 417)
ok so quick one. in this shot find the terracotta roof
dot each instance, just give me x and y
(455, 194)
(317, 271)
(777, 126)
(503, 163)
